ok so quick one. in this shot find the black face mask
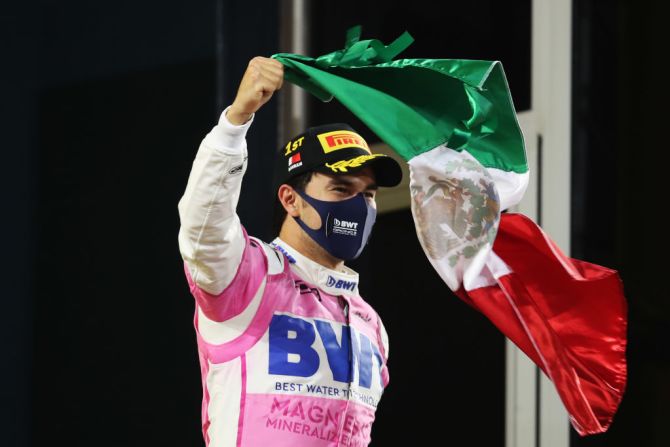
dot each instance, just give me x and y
(345, 225)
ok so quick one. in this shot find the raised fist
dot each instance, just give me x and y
(261, 79)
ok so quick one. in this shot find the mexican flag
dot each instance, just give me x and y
(454, 123)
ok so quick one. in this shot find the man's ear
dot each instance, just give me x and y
(288, 197)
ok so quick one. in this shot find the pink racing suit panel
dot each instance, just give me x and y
(309, 376)
(221, 353)
(237, 295)
(289, 421)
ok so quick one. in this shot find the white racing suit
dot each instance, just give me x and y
(290, 354)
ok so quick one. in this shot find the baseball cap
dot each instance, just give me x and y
(333, 149)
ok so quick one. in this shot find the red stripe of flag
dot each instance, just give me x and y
(567, 315)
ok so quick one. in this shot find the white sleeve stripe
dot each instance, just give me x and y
(217, 333)
(210, 238)
(275, 259)
(233, 233)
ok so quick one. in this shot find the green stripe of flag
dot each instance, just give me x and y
(414, 105)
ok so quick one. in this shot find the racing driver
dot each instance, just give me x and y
(290, 354)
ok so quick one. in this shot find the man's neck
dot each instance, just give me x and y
(292, 234)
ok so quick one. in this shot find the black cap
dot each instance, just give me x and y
(333, 149)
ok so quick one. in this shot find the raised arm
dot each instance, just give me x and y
(211, 238)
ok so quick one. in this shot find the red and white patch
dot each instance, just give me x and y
(294, 161)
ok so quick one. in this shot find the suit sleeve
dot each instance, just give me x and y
(212, 241)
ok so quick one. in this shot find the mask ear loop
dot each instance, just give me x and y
(324, 222)
(327, 222)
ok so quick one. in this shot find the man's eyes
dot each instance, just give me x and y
(346, 191)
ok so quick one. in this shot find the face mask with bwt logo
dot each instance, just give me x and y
(345, 225)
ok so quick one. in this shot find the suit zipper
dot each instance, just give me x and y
(345, 310)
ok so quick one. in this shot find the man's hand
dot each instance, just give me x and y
(261, 79)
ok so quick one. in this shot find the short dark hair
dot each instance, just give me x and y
(279, 214)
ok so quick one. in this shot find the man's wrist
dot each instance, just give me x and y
(237, 118)
(227, 136)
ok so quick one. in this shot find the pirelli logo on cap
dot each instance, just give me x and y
(339, 139)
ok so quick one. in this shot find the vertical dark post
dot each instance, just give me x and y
(18, 182)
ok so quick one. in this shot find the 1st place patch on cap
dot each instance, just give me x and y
(340, 139)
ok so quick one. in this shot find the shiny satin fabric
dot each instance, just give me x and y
(414, 105)
(567, 315)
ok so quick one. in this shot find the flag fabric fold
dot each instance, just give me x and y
(455, 124)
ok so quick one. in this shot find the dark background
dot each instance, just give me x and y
(619, 157)
(103, 108)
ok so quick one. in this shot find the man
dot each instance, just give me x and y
(290, 354)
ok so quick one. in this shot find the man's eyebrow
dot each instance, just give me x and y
(340, 181)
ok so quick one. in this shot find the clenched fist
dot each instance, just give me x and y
(261, 79)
